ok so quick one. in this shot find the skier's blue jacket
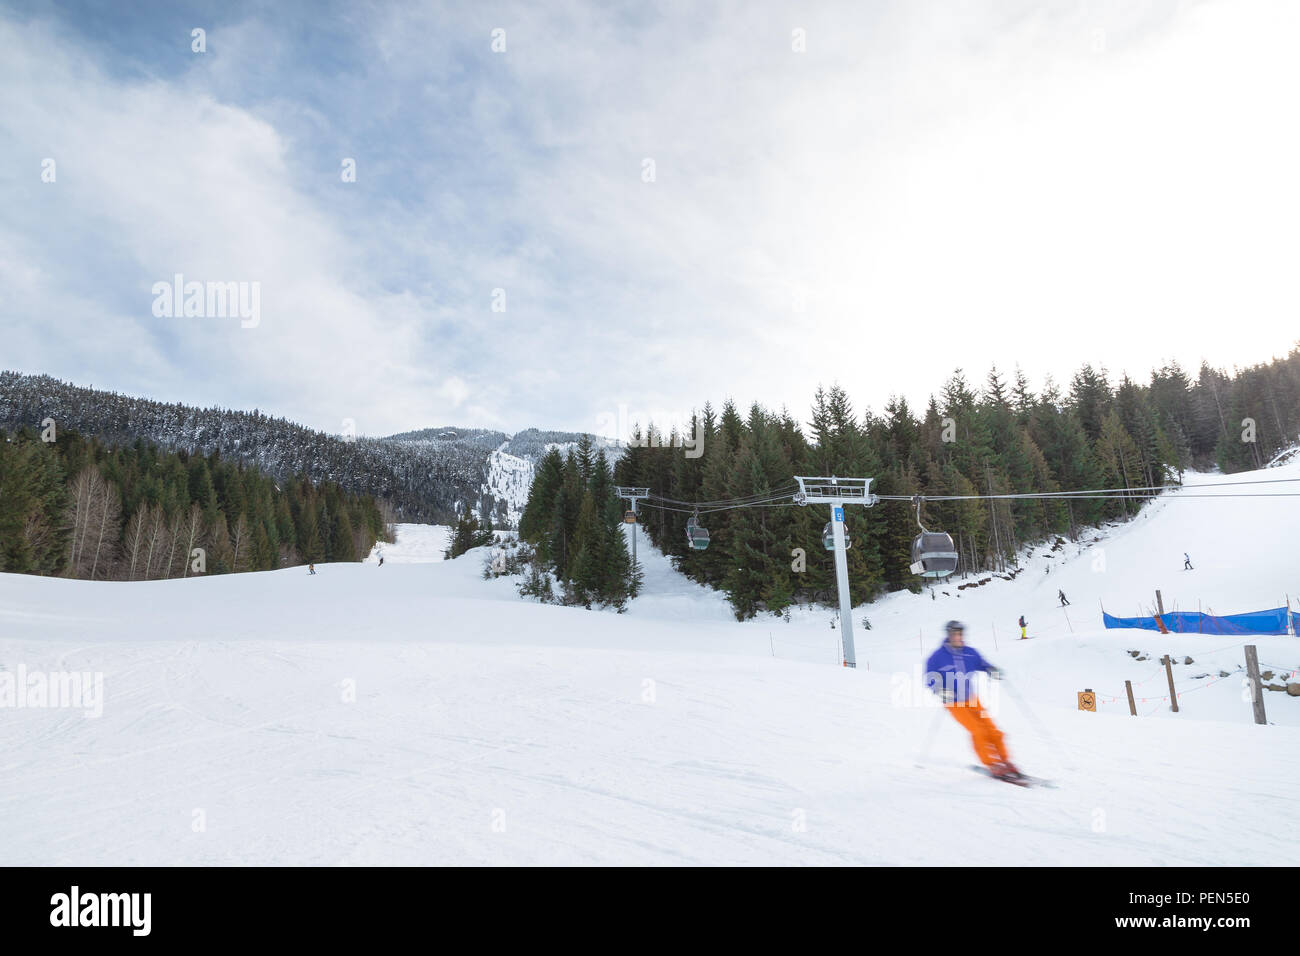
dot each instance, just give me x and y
(953, 668)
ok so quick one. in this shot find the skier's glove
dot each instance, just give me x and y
(995, 673)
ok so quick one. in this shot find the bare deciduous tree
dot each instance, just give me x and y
(172, 543)
(193, 525)
(136, 543)
(95, 516)
(84, 487)
(239, 544)
(154, 533)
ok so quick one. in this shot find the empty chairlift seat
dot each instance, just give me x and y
(933, 555)
(828, 537)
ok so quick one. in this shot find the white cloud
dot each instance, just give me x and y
(951, 185)
(166, 181)
(455, 391)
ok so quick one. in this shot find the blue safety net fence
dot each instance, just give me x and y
(1274, 621)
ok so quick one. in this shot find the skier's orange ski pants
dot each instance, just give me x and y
(984, 733)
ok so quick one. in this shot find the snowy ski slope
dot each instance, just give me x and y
(416, 713)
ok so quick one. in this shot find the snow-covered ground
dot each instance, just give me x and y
(417, 713)
(415, 544)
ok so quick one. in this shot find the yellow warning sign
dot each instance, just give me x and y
(1087, 701)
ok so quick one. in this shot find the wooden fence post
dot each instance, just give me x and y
(1169, 672)
(1132, 707)
(1256, 690)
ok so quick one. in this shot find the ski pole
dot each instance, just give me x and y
(929, 739)
(1028, 712)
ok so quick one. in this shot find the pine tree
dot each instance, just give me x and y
(467, 535)
(1119, 457)
(342, 545)
(308, 527)
(564, 521)
(32, 502)
(751, 549)
(1091, 395)
(588, 569)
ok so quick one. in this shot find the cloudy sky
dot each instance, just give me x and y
(673, 202)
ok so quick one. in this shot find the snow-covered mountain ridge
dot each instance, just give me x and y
(429, 475)
(509, 465)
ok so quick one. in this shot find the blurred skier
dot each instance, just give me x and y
(311, 569)
(950, 673)
(1023, 626)
(1187, 563)
(1065, 602)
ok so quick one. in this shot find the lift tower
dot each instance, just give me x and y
(838, 492)
(634, 495)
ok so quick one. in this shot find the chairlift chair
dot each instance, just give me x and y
(828, 537)
(697, 536)
(933, 553)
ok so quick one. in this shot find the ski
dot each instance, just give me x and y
(1022, 780)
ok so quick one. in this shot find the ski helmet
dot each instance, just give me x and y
(954, 626)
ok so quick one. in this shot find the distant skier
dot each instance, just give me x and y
(950, 672)
(1187, 563)
(381, 559)
(1065, 602)
(311, 569)
(1023, 626)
